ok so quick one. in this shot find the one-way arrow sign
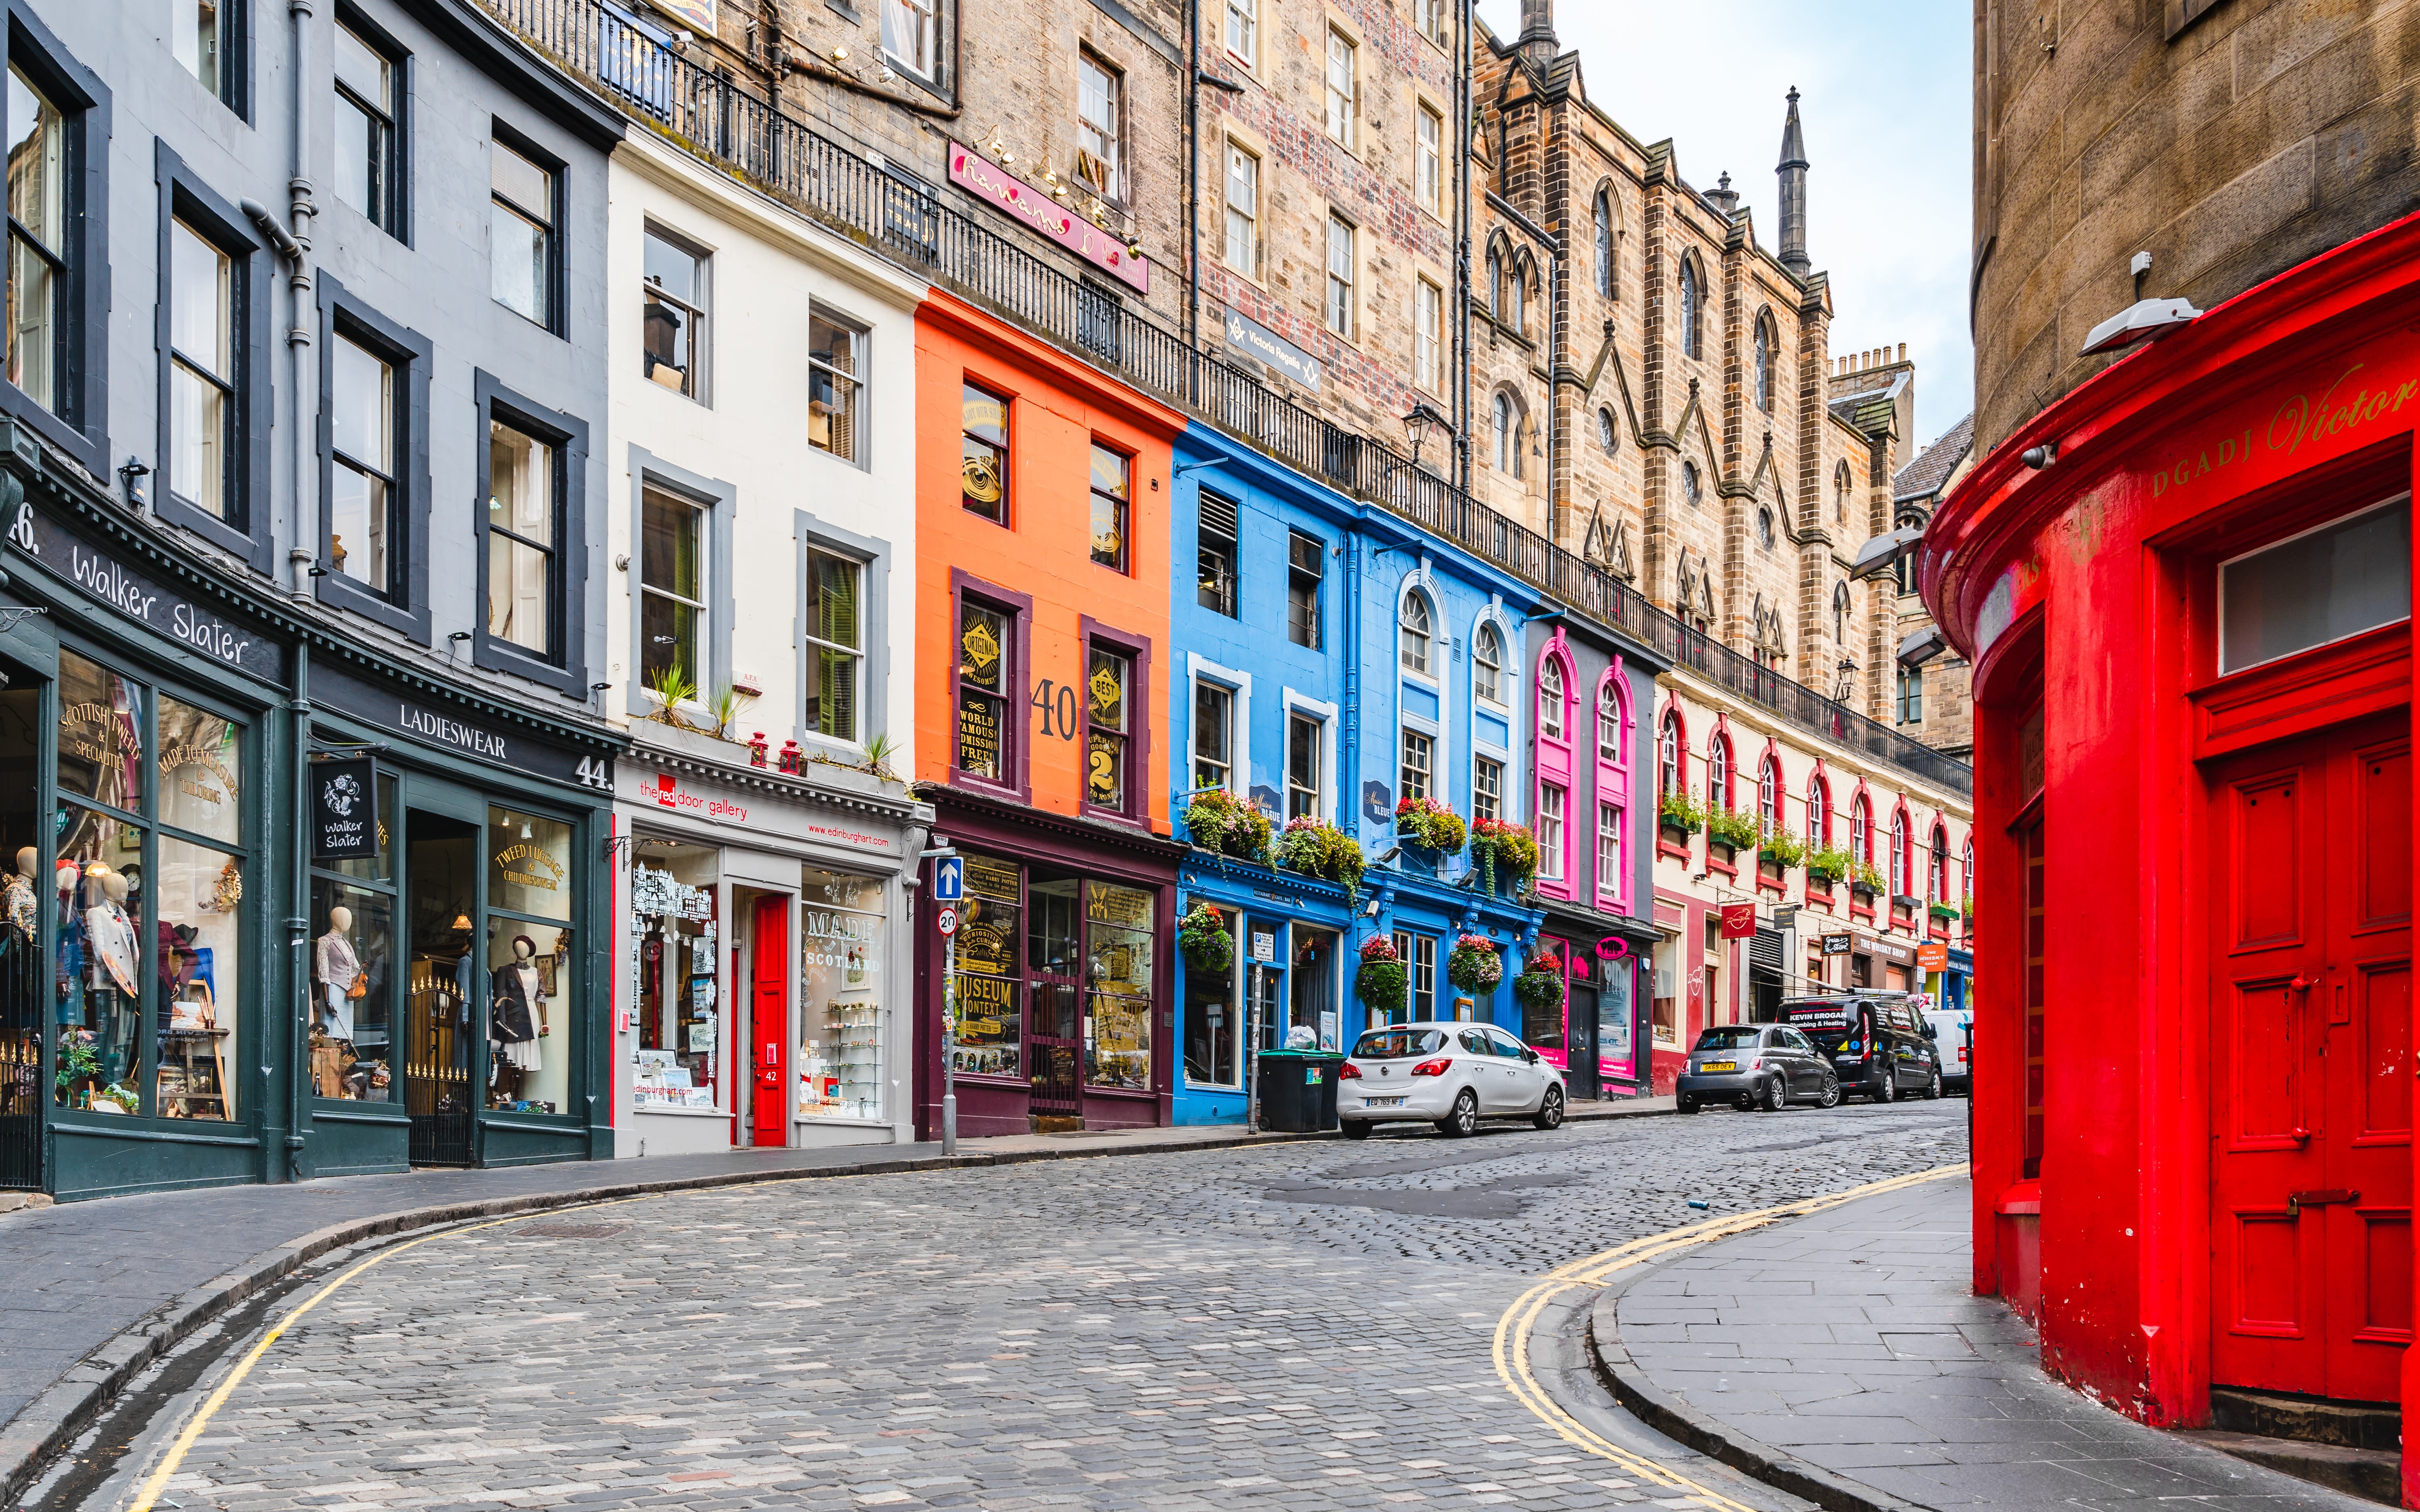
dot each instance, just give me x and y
(948, 879)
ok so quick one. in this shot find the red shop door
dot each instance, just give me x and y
(768, 1021)
(2310, 1045)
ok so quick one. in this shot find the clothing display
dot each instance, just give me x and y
(513, 1015)
(20, 907)
(109, 935)
(337, 967)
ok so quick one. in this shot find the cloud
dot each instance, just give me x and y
(1888, 92)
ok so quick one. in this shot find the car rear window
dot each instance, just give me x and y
(1736, 1037)
(1397, 1044)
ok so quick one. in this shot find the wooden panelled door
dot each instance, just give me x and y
(768, 1024)
(2310, 1026)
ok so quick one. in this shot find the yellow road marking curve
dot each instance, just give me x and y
(1511, 1349)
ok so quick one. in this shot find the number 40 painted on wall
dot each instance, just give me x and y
(1062, 704)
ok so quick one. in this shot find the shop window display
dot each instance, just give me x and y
(842, 931)
(986, 984)
(352, 968)
(530, 971)
(1213, 1038)
(22, 1006)
(1118, 984)
(1313, 987)
(679, 996)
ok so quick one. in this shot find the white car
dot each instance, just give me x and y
(1449, 1075)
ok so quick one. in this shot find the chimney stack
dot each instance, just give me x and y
(1537, 45)
(1793, 173)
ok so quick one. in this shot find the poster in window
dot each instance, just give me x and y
(978, 734)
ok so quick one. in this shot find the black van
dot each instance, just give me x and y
(1877, 1042)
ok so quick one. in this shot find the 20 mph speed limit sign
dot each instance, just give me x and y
(946, 920)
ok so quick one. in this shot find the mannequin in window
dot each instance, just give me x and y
(18, 903)
(338, 968)
(516, 1017)
(109, 934)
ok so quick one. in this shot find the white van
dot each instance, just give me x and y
(1953, 1031)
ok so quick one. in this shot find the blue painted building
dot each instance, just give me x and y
(1331, 658)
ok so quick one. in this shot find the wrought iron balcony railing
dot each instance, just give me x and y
(664, 86)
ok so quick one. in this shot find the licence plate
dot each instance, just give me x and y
(1382, 1102)
(1720, 1065)
(1848, 1060)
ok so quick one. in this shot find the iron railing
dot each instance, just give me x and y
(663, 84)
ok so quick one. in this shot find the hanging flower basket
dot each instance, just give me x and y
(1431, 825)
(1505, 856)
(1202, 935)
(1540, 987)
(1475, 966)
(1380, 982)
(1316, 848)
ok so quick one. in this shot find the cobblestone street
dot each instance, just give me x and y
(1308, 1324)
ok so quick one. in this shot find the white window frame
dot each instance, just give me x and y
(1197, 760)
(1428, 156)
(1241, 32)
(1200, 669)
(1553, 829)
(1426, 671)
(811, 643)
(926, 41)
(1496, 762)
(694, 386)
(860, 380)
(1340, 89)
(1108, 134)
(1404, 735)
(1610, 820)
(1492, 698)
(1428, 337)
(1340, 309)
(1322, 714)
(1243, 221)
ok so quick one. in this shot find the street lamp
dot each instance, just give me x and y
(1418, 425)
(1848, 680)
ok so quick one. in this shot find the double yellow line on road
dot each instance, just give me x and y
(1512, 1329)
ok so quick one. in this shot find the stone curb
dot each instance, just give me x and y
(52, 1420)
(1686, 1425)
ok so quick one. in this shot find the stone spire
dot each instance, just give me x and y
(1537, 45)
(1793, 173)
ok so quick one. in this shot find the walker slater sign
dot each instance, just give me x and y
(344, 809)
(464, 735)
(134, 596)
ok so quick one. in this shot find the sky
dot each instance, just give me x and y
(1886, 98)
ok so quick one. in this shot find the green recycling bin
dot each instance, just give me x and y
(1297, 1090)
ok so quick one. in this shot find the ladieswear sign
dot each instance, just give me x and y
(134, 596)
(344, 811)
(1029, 207)
(463, 734)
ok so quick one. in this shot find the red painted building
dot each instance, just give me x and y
(2186, 589)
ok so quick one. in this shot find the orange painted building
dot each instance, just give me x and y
(1042, 595)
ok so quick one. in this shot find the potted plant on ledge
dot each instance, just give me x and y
(1505, 856)
(1316, 848)
(1944, 913)
(1677, 817)
(1475, 966)
(1827, 865)
(1867, 883)
(1430, 826)
(1735, 831)
(1780, 851)
(1379, 982)
(1225, 824)
(1201, 934)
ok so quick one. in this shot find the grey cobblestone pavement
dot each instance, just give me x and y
(1296, 1326)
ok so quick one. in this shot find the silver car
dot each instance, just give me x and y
(1447, 1073)
(1756, 1065)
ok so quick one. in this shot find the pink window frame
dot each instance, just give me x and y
(1553, 765)
(1614, 781)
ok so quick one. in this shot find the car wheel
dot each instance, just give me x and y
(1830, 1096)
(1932, 1086)
(1776, 1095)
(1463, 1120)
(1550, 1109)
(1888, 1090)
(1356, 1128)
(1685, 1105)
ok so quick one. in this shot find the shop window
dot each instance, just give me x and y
(524, 236)
(1112, 498)
(986, 734)
(842, 1021)
(1306, 567)
(1418, 955)
(982, 486)
(374, 386)
(1487, 665)
(2321, 586)
(58, 152)
(1486, 788)
(1553, 800)
(1109, 700)
(353, 979)
(672, 613)
(673, 902)
(1311, 987)
(532, 982)
(835, 385)
(214, 352)
(1413, 630)
(1118, 942)
(672, 318)
(1418, 757)
(988, 965)
(1610, 884)
(834, 632)
(531, 537)
(1216, 574)
(1306, 767)
(150, 826)
(1664, 1008)
(1214, 1038)
(1214, 755)
(370, 126)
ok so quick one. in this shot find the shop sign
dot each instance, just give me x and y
(1257, 341)
(344, 816)
(136, 597)
(668, 795)
(1892, 950)
(1932, 955)
(414, 720)
(1036, 210)
(655, 893)
(1739, 921)
(1838, 943)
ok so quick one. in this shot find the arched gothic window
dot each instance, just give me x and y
(1689, 302)
(1718, 774)
(1840, 614)
(1604, 243)
(1861, 832)
(1506, 442)
(1519, 294)
(1938, 883)
(1768, 794)
(1668, 754)
(1495, 282)
(1898, 855)
(1840, 494)
(1488, 664)
(1414, 633)
(1608, 722)
(1818, 811)
(1764, 367)
(1550, 699)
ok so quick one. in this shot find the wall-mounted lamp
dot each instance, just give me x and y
(131, 474)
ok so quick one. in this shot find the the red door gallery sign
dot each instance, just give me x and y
(1031, 207)
(1739, 921)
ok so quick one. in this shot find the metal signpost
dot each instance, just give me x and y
(949, 890)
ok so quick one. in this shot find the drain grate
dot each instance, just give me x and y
(567, 1231)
